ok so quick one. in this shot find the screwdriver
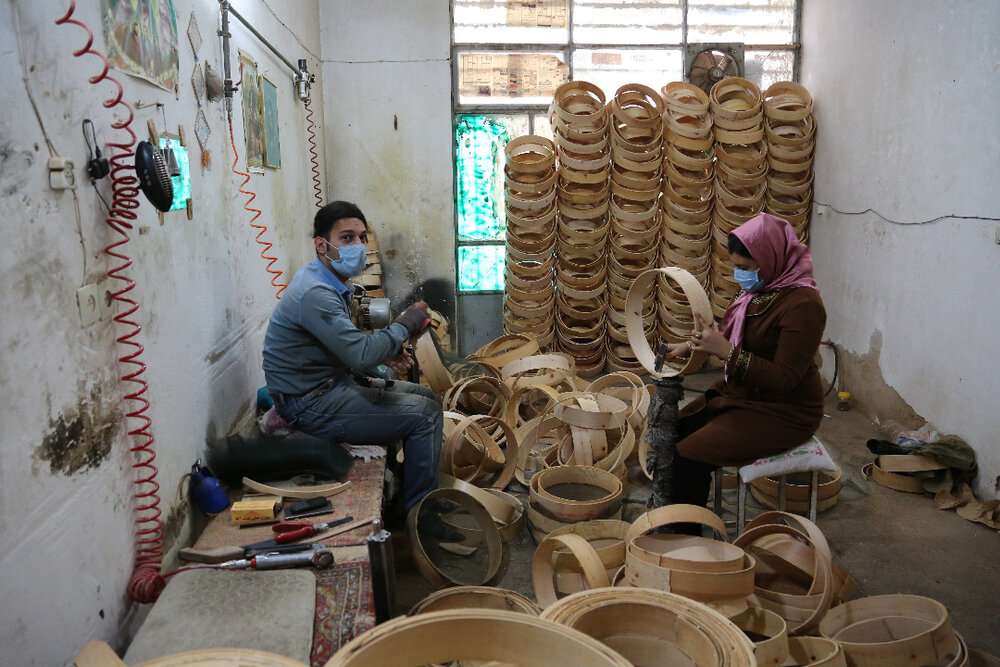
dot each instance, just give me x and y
(290, 531)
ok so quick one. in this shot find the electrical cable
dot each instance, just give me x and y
(952, 216)
(103, 200)
(146, 583)
(836, 366)
(27, 86)
(271, 259)
(314, 157)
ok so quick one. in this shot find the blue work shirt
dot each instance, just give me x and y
(311, 337)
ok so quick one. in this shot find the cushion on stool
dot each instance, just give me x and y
(810, 455)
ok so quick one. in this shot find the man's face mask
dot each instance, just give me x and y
(352, 259)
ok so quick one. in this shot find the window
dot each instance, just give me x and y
(509, 56)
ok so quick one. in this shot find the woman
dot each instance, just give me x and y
(771, 396)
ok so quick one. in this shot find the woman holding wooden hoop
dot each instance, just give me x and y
(771, 396)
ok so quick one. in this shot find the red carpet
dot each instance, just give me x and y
(344, 608)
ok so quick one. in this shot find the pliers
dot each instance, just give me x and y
(290, 531)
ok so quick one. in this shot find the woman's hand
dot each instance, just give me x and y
(709, 339)
(675, 350)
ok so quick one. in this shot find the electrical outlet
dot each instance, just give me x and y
(106, 303)
(61, 174)
(88, 300)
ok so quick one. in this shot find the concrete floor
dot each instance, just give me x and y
(891, 542)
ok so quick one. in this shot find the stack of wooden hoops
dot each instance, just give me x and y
(688, 181)
(580, 125)
(636, 172)
(530, 209)
(790, 131)
(740, 175)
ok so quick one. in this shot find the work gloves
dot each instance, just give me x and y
(415, 318)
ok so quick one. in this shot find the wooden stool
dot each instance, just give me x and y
(810, 457)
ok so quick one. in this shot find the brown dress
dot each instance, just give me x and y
(773, 398)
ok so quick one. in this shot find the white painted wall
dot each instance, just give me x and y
(387, 82)
(66, 539)
(906, 104)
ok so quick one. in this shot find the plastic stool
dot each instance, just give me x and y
(779, 467)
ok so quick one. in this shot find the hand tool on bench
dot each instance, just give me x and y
(222, 554)
(290, 531)
(319, 557)
(311, 507)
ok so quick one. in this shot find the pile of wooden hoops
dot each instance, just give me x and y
(490, 635)
(743, 585)
(530, 210)
(790, 132)
(740, 175)
(581, 128)
(636, 173)
(596, 426)
(526, 413)
(895, 630)
(650, 627)
(567, 439)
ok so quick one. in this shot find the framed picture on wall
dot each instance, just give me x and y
(272, 142)
(253, 122)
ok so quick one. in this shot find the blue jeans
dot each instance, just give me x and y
(341, 410)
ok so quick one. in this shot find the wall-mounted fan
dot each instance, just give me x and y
(154, 178)
(707, 64)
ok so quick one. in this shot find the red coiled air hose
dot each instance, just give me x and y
(314, 157)
(146, 582)
(271, 259)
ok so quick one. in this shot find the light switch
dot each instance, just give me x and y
(87, 299)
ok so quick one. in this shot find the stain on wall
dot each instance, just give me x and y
(174, 524)
(861, 374)
(15, 167)
(439, 293)
(80, 437)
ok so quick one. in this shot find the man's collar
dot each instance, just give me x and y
(327, 276)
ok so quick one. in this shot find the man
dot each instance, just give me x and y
(316, 359)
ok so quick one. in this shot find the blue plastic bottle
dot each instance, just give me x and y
(206, 491)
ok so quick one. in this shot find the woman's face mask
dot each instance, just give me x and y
(748, 280)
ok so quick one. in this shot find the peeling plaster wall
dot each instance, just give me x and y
(66, 528)
(906, 96)
(387, 82)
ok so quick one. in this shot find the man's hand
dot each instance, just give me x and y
(400, 363)
(415, 318)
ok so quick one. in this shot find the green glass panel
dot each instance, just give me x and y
(480, 267)
(182, 183)
(479, 160)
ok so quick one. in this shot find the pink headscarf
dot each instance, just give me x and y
(782, 260)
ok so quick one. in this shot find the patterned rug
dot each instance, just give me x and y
(344, 608)
(362, 500)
